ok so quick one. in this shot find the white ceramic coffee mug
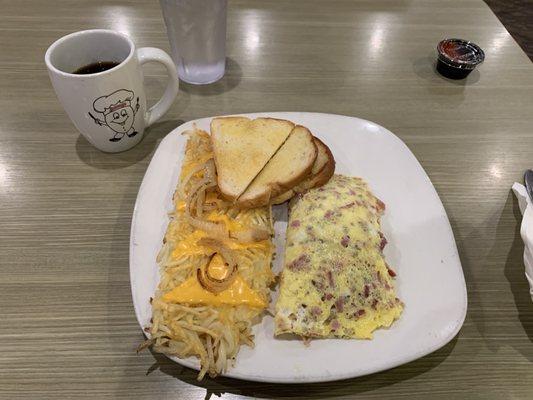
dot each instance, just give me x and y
(109, 107)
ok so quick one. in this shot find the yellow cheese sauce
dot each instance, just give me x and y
(191, 292)
(186, 254)
(231, 224)
(182, 308)
(218, 269)
(187, 245)
(180, 205)
(187, 168)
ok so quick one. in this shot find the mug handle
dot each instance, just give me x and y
(149, 54)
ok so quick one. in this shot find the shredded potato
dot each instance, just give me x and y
(213, 334)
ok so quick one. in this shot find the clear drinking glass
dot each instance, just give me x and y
(197, 34)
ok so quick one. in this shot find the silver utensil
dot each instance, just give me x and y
(528, 178)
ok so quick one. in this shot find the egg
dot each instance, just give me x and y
(336, 282)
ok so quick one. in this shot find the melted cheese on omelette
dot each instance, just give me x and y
(336, 282)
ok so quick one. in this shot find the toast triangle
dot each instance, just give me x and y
(291, 164)
(242, 147)
(322, 171)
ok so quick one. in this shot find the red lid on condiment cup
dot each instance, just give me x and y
(460, 53)
(458, 57)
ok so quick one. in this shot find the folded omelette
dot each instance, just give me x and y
(336, 282)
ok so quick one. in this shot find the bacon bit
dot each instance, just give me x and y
(335, 325)
(366, 291)
(147, 329)
(383, 242)
(328, 214)
(328, 296)
(295, 223)
(391, 272)
(359, 313)
(348, 205)
(380, 206)
(339, 304)
(345, 240)
(300, 264)
(374, 303)
(309, 231)
(330, 279)
(316, 311)
(337, 265)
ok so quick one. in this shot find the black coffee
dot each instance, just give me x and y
(96, 67)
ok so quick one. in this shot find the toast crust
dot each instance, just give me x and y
(327, 171)
(318, 179)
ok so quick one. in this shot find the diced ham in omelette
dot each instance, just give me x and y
(336, 282)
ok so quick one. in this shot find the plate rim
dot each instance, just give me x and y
(194, 363)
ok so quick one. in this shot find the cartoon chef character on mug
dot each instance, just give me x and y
(119, 115)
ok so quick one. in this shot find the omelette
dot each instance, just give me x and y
(335, 281)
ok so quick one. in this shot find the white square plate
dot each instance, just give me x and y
(421, 249)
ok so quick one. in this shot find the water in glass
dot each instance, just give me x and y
(197, 34)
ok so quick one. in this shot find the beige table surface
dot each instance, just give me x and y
(67, 325)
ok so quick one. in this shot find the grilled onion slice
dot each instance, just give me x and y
(208, 282)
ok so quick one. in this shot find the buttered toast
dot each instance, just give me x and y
(289, 166)
(322, 171)
(242, 147)
(266, 160)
